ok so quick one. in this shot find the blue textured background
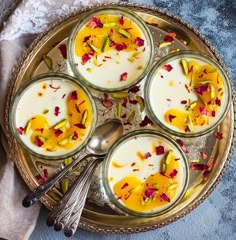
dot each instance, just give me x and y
(215, 218)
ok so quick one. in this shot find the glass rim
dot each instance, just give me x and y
(20, 92)
(200, 56)
(140, 22)
(107, 159)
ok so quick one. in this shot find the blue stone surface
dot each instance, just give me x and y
(215, 218)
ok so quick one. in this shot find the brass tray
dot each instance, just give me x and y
(99, 215)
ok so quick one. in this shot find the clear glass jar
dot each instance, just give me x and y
(169, 89)
(123, 162)
(45, 98)
(110, 70)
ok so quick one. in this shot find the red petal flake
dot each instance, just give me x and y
(134, 89)
(123, 116)
(75, 135)
(218, 102)
(38, 142)
(164, 197)
(107, 103)
(201, 89)
(148, 155)
(167, 67)
(125, 101)
(112, 43)
(120, 47)
(55, 88)
(86, 38)
(73, 96)
(45, 173)
(139, 41)
(160, 150)
(199, 166)
(150, 192)
(133, 101)
(183, 102)
(62, 48)
(125, 186)
(57, 111)
(95, 23)
(123, 76)
(85, 58)
(168, 38)
(80, 125)
(203, 155)
(121, 20)
(203, 110)
(20, 130)
(181, 144)
(58, 132)
(173, 173)
(171, 117)
(218, 135)
(213, 113)
(145, 122)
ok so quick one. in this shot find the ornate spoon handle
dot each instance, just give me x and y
(74, 219)
(41, 190)
(61, 214)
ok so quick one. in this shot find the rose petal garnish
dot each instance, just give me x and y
(150, 192)
(73, 96)
(58, 132)
(171, 117)
(123, 76)
(80, 125)
(95, 23)
(134, 89)
(164, 197)
(121, 20)
(57, 111)
(203, 155)
(181, 144)
(218, 102)
(62, 48)
(145, 122)
(20, 130)
(183, 102)
(133, 101)
(55, 88)
(199, 166)
(203, 110)
(120, 47)
(148, 155)
(40, 179)
(173, 173)
(38, 141)
(45, 173)
(218, 135)
(123, 116)
(213, 113)
(201, 89)
(160, 150)
(107, 103)
(86, 38)
(125, 186)
(112, 43)
(85, 58)
(168, 38)
(125, 102)
(75, 135)
(167, 67)
(139, 41)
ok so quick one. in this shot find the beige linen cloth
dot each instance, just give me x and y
(29, 18)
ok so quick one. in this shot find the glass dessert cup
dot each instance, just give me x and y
(110, 49)
(145, 173)
(187, 94)
(52, 116)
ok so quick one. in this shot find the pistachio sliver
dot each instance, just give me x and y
(42, 138)
(202, 100)
(189, 123)
(60, 124)
(140, 102)
(64, 141)
(172, 187)
(109, 25)
(169, 157)
(163, 167)
(131, 116)
(118, 110)
(52, 149)
(212, 91)
(84, 117)
(105, 44)
(204, 82)
(191, 106)
(92, 46)
(27, 127)
(64, 185)
(164, 44)
(48, 61)
(135, 189)
(184, 64)
(120, 95)
(124, 33)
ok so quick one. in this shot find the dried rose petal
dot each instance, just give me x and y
(58, 132)
(203, 110)
(139, 41)
(107, 103)
(45, 173)
(85, 58)
(123, 76)
(20, 130)
(201, 89)
(73, 96)
(148, 155)
(213, 113)
(218, 135)
(218, 102)
(199, 166)
(150, 192)
(145, 122)
(75, 135)
(95, 23)
(133, 101)
(86, 38)
(134, 89)
(57, 111)
(38, 142)
(123, 116)
(112, 43)
(211, 164)
(167, 67)
(181, 144)
(80, 125)
(171, 117)
(125, 186)
(173, 173)
(164, 197)
(160, 150)
(40, 179)
(187, 129)
(55, 88)
(125, 102)
(168, 38)
(62, 48)
(183, 102)
(203, 155)
(120, 47)
(121, 20)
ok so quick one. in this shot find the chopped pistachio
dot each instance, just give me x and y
(191, 106)
(189, 123)
(52, 149)
(27, 127)
(172, 187)
(64, 141)
(64, 185)
(45, 111)
(120, 95)
(105, 44)
(109, 25)
(140, 102)
(164, 44)
(89, 70)
(60, 124)
(124, 33)
(163, 167)
(135, 189)
(92, 46)
(84, 117)
(118, 110)
(42, 138)
(136, 54)
(184, 64)
(202, 100)
(169, 156)
(212, 91)
(131, 116)
(131, 59)
(48, 61)
(204, 82)
(140, 67)
(155, 185)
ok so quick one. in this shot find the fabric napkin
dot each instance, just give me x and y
(25, 22)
